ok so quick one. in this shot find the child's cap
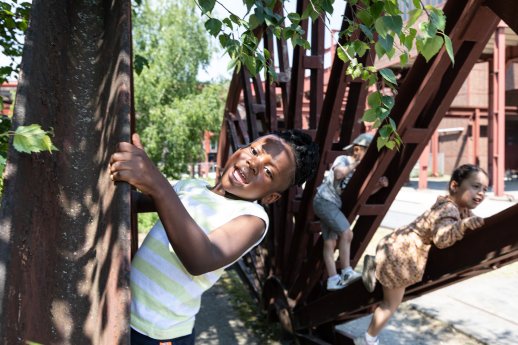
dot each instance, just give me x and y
(363, 139)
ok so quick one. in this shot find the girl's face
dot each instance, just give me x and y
(260, 171)
(471, 191)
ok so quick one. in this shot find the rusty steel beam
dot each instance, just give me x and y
(296, 93)
(493, 245)
(64, 226)
(505, 9)
(316, 90)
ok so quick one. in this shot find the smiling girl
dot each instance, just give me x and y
(401, 256)
(202, 229)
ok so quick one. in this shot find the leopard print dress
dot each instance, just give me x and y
(401, 255)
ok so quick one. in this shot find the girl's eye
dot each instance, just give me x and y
(268, 172)
(254, 151)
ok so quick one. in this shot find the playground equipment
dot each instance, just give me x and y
(65, 229)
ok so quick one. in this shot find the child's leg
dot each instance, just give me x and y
(329, 256)
(344, 248)
(391, 300)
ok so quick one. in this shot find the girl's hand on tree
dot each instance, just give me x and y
(473, 223)
(131, 164)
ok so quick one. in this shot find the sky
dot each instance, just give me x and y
(217, 68)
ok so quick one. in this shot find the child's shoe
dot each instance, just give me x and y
(349, 275)
(369, 273)
(362, 340)
(334, 283)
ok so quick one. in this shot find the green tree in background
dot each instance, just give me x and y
(174, 132)
(14, 19)
(173, 108)
(172, 38)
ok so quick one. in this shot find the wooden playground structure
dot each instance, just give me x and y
(66, 235)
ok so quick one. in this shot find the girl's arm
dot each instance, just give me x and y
(199, 252)
(448, 228)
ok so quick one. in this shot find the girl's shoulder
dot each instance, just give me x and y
(446, 206)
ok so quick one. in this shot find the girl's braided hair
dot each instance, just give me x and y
(306, 153)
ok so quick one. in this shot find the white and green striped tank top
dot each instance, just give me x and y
(165, 297)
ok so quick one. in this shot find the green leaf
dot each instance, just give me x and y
(376, 9)
(365, 17)
(431, 46)
(449, 48)
(235, 19)
(388, 101)
(207, 5)
(32, 138)
(390, 144)
(393, 124)
(249, 4)
(379, 49)
(228, 23)
(341, 54)
(403, 59)
(437, 18)
(224, 39)
(388, 75)
(386, 42)
(385, 131)
(356, 72)
(250, 64)
(266, 54)
(380, 27)
(367, 32)
(140, 62)
(380, 142)
(309, 12)
(254, 21)
(294, 17)
(413, 16)
(374, 99)
(393, 23)
(327, 5)
(391, 7)
(360, 47)
(213, 26)
(428, 29)
(370, 115)
(409, 38)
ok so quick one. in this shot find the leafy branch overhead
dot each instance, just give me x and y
(382, 24)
